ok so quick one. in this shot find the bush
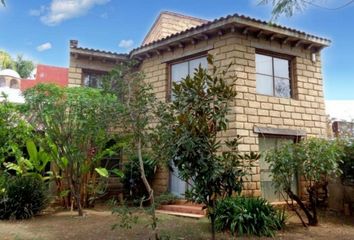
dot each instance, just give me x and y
(165, 198)
(22, 197)
(244, 215)
(132, 179)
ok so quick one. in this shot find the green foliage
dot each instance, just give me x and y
(347, 165)
(126, 217)
(139, 102)
(132, 178)
(190, 136)
(77, 125)
(22, 66)
(14, 132)
(22, 197)
(165, 198)
(5, 60)
(287, 7)
(251, 216)
(315, 159)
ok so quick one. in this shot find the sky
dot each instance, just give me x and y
(41, 29)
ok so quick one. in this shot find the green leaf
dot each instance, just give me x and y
(103, 172)
(32, 150)
(117, 172)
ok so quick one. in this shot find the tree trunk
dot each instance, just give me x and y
(149, 190)
(313, 203)
(311, 220)
(212, 219)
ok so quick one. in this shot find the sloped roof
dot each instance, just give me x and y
(234, 21)
(168, 23)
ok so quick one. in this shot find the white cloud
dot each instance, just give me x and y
(126, 43)
(61, 10)
(44, 47)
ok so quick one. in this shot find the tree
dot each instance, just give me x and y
(198, 116)
(315, 160)
(5, 60)
(14, 132)
(289, 7)
(127, 83)
(3, 3)
(22, 66)
(77, 124)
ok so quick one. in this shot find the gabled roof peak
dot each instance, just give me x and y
(168, 23)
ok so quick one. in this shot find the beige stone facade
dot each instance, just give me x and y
(169, 23)
(252, 115)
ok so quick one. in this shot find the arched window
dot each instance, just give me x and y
(14, 84)
(2, 82)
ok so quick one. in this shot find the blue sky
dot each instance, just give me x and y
(41, 29)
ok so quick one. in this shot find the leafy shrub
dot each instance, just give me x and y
(244, 215)
(347, 165)
(132, 178)
(22, 197)
(165, 198)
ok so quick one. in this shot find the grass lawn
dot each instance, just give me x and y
(97, 225)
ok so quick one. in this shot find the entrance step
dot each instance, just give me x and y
(189, 215)
(184, 208)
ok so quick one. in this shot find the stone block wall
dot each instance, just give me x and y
(304, 111)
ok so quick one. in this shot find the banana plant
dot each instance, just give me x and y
(35, 164)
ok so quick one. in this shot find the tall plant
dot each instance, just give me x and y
(14, 132)
(315, 160)
(198, 116)
(139, 102)
(77, 124)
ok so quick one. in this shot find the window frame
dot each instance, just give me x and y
(180, 60)
(291, 61)
(89, 71)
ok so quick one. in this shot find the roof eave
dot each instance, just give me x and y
(232, 22)
(97, 53)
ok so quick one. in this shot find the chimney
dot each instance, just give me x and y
(74, 43)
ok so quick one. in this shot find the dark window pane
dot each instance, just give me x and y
(282, 87)
(281, 68)
(92, 80)
(264, 64)
(264, 84)
(14, 84)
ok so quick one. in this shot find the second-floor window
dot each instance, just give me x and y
(92, 79)
(181, 70)
(273, 75)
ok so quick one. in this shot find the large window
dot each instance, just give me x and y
(273, 75)
(92, 79)
(181, 70)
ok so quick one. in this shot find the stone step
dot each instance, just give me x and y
(179, 208)
(189, 215)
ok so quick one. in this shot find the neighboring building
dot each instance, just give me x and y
(46, 74)
(13, 86)
(343, 129)
(280, 87)
(10, 85)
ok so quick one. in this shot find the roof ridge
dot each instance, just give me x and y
(176, 14)
(183, 16)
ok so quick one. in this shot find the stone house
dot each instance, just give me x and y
(280, 87)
